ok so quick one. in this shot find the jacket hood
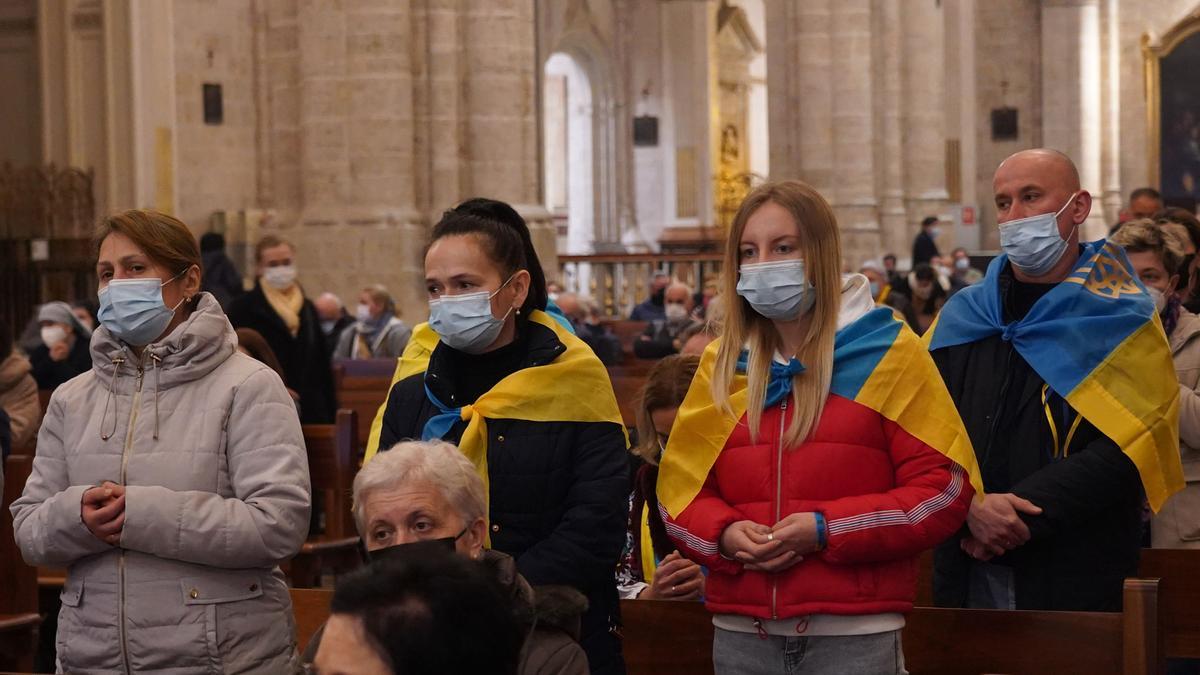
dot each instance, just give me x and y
(191, 351)
(856, 299)
(12, 370)
(1186, 330)
(548, 606)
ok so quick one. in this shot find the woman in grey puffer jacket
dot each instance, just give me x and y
(170, 480)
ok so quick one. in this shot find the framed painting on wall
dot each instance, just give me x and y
(1173, 111)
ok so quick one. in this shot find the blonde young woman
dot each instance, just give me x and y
(811, 461)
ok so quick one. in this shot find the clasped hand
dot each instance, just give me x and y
(762, 548)
(996, 525)
(103, 512)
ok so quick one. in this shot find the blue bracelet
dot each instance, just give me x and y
(822, 530)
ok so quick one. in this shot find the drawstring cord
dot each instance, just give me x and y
(157, 367)
(117, 362)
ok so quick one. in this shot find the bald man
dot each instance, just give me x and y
(662, 337)
(1059, 526)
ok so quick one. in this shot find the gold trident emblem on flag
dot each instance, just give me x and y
(1109, 278)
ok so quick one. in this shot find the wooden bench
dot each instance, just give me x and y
(362, 386)
(627, 332)
(19, 618)
(668, 638)
(627, 382)
(310, 607)
(1178, 571)
(331, 468)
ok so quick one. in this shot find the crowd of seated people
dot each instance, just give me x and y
(798, 430)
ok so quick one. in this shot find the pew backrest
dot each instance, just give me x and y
(1178, 571)
(310, 607)
(18, 581)
(331, 467)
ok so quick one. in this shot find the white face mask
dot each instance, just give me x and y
(281, 277)
(52, 335)
(676, 312)
(363, 313)
(1160, 299)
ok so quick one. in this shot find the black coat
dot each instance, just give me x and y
(221, 278)
(305, 358)
(924, 249)
(1086, 540)
(50, 373)
(558, 491)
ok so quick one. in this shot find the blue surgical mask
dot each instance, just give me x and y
(1034, 244)
(874, 289)
(465, 322)
(777, 290)
(133, 309)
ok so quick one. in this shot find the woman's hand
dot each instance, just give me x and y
(103, 512)
(676, 578)
(798, 532)
(755, 546)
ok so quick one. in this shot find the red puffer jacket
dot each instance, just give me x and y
(885, 495)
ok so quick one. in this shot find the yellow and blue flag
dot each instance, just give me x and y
(1097, 337)
(878, 362)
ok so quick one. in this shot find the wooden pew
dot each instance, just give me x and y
(331, 468)
(362, 386)
(19, 618)
(310, 607)
(627, 333)
(669, 638)
(952, 641)
(627, 382)
(1178, 571)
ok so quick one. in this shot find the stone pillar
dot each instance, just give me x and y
(800, 93)
(853, 194)
(893, 218)
(1113, 198)
(1071, 94)
(924, 113)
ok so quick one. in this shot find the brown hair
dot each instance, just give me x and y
(379, 293)
(822, 249)
(666, 385)
(164, 239)
(270, 241)
(1144, 235)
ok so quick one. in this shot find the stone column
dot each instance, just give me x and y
(924, 113)
(1113, 198)
(1072, 109)
(892, 216)
(853, 192)
(800, 93)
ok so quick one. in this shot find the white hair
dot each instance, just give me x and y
(436, 462)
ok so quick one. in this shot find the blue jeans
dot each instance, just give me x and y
(748, 654)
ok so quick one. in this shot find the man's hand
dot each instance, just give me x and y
(103, 512)
(676, 578)
(995, 522)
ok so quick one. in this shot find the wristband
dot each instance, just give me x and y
(822, 530)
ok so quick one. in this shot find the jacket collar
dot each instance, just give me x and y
(542, 347)
(1186, 330)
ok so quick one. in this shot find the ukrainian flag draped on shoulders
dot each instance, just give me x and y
(1097, 341)
(575, 387)
(878, 362)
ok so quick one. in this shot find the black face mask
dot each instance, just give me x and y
(425, 548)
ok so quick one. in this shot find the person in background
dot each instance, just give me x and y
(85, 312)
(581, 311)
(278, 310)
(528, 402)
(1144, 202)
(924, 245)
(221, 278)
(651, 568)
(652, 308)
(882, 291)
(333, 316)
(1044, 372)
(698, 336)
(1157, 256)
(1186, 227)
(378, 333)
(63, 353)
(18, 394)
(437, 614)
(253, 345)
(661, 337)
(964, 275)
(170, 480)
(421, 499)
(928, 297)
(784, 482)
(893, 275)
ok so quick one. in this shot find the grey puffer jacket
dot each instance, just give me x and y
(209, 447)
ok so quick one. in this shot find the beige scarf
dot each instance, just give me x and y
(287, 305)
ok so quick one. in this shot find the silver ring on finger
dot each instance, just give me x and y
(770, 536)
(672, 590)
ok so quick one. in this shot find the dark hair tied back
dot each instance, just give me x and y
(506, 238)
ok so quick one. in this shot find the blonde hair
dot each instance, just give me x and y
(1143, 234)
(666, 385)
(821, 248)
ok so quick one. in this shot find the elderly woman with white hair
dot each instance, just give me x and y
(420, 496)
